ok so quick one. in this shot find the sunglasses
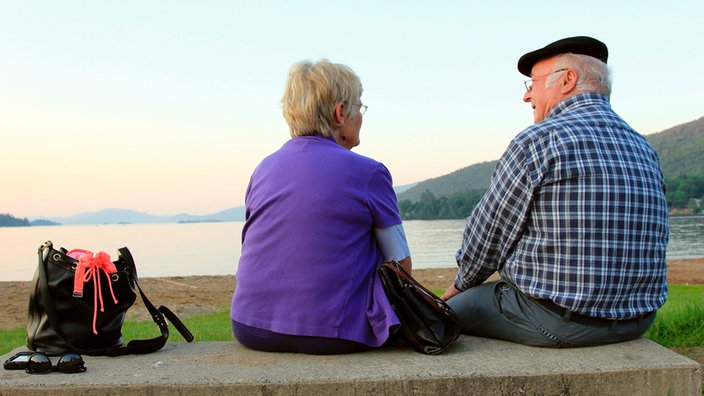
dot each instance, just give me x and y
(69, 363)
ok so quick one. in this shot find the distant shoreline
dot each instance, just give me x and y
(43, 222)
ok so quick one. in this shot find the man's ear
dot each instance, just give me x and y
(569, 81)
(340, 114)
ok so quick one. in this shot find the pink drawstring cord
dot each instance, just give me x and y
(89, 267)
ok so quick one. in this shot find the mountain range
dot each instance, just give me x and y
(126, 216)
(680, 149)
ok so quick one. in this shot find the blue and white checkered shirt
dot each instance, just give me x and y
(576, 214)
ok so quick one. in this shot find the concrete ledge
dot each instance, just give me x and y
(472, 366)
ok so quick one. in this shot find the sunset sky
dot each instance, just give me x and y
(166, 107)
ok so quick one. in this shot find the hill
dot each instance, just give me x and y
(473, 177)
(680, 149)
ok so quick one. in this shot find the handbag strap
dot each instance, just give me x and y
(158, 314)
(133, 347)
(407, 278)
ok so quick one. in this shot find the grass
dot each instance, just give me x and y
(211, 327)
(679, 324)
(11, 339)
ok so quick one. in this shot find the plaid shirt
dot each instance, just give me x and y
(576, 214)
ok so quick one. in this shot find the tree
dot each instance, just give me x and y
(429, 207)
(8, 220)
(682, 189)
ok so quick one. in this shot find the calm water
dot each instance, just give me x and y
(213, 248)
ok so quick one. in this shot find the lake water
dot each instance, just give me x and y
(214, 248)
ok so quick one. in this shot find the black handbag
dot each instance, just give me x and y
(75, 308)
(428, 324)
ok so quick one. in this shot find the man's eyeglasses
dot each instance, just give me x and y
(362, 108)
(529, 83)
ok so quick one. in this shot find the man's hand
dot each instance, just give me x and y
(450, 292)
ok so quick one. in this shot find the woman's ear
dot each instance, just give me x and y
(340, 114)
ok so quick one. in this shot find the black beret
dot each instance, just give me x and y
(576, 45)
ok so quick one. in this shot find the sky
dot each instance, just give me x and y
(167, 107)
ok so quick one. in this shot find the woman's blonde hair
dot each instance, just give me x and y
(312, 92)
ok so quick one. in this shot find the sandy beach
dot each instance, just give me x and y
(194, 295)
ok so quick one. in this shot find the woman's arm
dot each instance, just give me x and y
(393, 245)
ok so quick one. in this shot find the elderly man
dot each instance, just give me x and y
(575, 220)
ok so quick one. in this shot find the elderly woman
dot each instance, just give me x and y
(319, 221)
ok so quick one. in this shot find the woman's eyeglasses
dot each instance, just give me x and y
(68, 363)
